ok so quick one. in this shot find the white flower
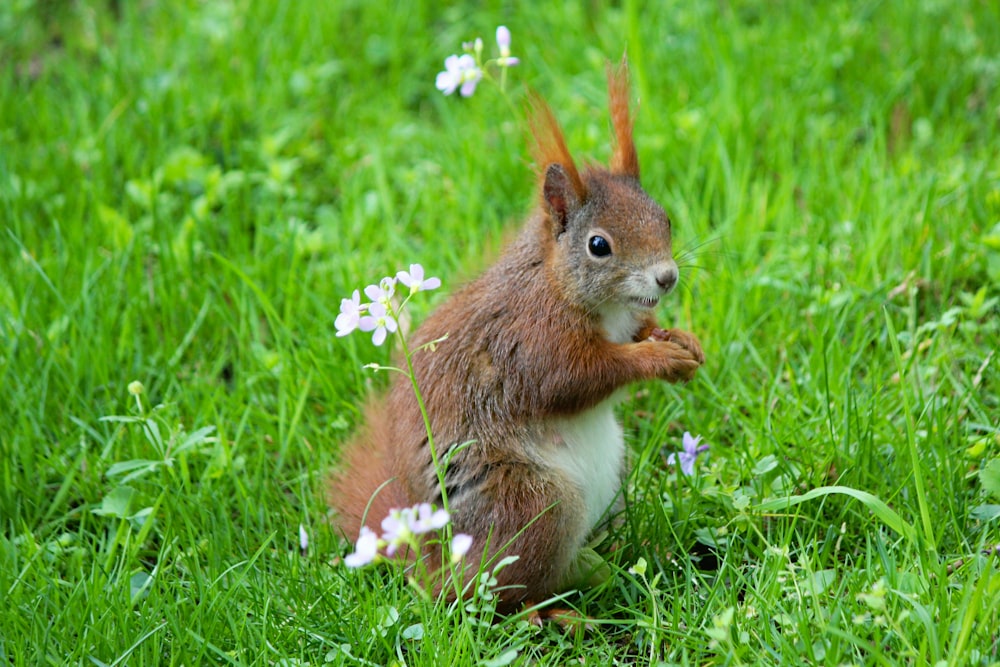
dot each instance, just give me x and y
(428, 519)
(379, 322)
(403, 524)
(365, 550)
(396, 529)
(503, 41)
(459, 71)
(382, 293)
(414, 279)
(400, 529)
(350, 314)
(303, 538)
(460, 545)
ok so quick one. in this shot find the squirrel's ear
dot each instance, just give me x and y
(624, 159)
(560, 197)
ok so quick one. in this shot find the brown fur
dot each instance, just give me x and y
(543, 336)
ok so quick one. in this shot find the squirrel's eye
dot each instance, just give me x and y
(599, 246)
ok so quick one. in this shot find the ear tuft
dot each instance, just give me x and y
(550, 146)
(624, 159)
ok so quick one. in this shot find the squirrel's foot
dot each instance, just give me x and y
(570, 621)
(587, 570)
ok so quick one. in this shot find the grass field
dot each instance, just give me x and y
(188, 189)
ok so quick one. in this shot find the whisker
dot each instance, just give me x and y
(684, 256)
(684, 285)
(699, 247)
(700, 244)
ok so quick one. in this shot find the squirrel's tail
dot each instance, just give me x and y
(363, 488)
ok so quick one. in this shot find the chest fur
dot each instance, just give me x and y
(589, 450)
(619, 323)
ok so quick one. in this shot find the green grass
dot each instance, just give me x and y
(187, 190)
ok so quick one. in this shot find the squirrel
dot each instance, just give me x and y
(523, 388)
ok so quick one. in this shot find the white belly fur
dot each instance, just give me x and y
(589, 449)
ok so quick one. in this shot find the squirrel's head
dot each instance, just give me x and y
(608, 241)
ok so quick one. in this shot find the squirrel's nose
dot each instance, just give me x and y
(666, 277)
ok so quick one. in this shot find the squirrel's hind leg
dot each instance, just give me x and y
(526, 512)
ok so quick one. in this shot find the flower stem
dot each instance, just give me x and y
(423, 413)
(454, 568)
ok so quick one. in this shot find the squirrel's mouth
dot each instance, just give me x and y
(645, 301)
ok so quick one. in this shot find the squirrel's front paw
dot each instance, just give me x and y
(681, 338)
(676, 363)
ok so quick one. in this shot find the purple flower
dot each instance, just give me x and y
(414, 279)
(378, 321)
(687, 456)
(503, 41)
(350, 314)
(365, 550)
(459, 71)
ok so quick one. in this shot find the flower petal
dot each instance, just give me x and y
(466, 62)
(468, 88)
(392, 527)
(345, 324)
(690, 442)
(460, 545)
(446, 82)
(687, 464)
(503, 37)
(365, 550)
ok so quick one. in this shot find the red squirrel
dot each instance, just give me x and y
(526, 379)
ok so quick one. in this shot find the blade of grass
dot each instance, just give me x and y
(911, 440)
(878, 507)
